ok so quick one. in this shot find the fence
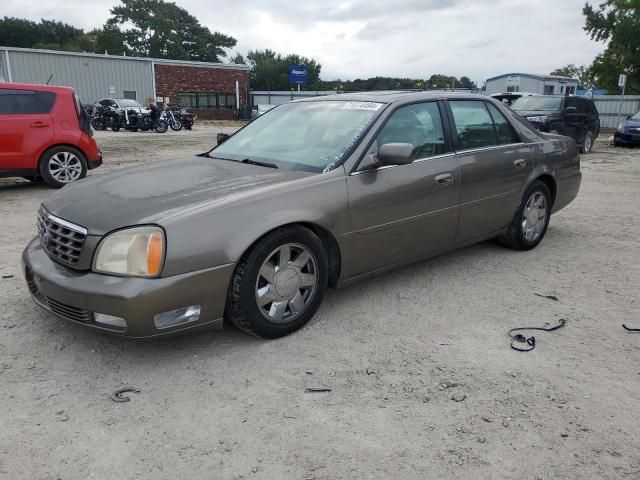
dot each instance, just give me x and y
(609, 105)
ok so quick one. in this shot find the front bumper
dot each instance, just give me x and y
(77, 296)
(627, 138)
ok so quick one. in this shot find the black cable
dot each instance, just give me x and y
(529, 343)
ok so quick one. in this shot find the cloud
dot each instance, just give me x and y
(362, 38)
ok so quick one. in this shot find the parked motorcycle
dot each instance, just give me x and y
(183, 115)
(172, 119)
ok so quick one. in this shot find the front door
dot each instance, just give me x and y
(400, 213)
(494, 164)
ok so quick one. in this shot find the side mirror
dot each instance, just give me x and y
(629, 117)
(571, 110)
(396, 154)
(222, 137)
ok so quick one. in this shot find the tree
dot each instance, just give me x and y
(19, 32)
(237, 59)
(155, 28)
(618, 23)
(270, 70)
(581, 73)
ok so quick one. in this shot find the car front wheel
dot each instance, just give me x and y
(531, 220)
(62, 165)
(279, 284)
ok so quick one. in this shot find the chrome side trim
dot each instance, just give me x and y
(69, 225)
(418, 160)
(486, 149)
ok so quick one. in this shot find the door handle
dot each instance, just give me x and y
(520, 163)
(443, 179)
(39, 124)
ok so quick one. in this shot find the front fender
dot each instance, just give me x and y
(220, 234)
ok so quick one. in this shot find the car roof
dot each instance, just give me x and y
(35, 86)
(392, 96)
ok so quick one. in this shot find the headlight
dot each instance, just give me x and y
(137, 252)
(620, 127)
(539, 119)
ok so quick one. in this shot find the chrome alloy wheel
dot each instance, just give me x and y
(534, 217)
(286, 283)
(588, 142)
(65, 167)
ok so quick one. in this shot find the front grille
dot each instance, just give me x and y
(62, 240)
(67, 311)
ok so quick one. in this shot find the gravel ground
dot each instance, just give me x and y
(223, 405)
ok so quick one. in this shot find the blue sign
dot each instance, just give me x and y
(298, 74)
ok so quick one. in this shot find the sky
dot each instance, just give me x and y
(364, 38)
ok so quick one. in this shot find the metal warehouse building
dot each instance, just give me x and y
(213, 90)
(530, 83)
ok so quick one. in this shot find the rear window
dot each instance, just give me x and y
(27, 102)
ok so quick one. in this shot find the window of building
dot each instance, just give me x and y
(513, 88)
(207, 100)
(549, 89)
(420, 125)
(506, 133)
(474, 127)
(130, 94)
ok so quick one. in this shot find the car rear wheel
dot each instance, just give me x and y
(531, 220)
(62, 165)
(279, 284)
(587, 145)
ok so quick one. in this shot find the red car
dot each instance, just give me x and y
(45, 134)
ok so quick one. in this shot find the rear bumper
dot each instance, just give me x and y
(567, 190)
(95, 163)
(78, 296)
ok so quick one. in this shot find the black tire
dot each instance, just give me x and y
(587, 144)
(98, 124)
(514, 236)
(176, 126)
(115, 126)
(242, 309)
(162, 127)
(47, 157)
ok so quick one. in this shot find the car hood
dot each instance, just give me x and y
(155, 192)
(632, 123)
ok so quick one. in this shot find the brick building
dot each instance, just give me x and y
(211, 90)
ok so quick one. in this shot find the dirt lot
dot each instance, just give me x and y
(222, 405)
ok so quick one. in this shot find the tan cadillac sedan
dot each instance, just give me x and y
(313, 194)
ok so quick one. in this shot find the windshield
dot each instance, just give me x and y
(636, 116)
(537, 103)
(125, 102)
(311, 136)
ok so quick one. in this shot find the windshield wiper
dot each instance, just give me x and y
(248, 161)
(255, 162)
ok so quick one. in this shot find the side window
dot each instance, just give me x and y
(578, 103)
(105, 103)
(506, 133)
(420, 125)
(21, 102)
(474, 127)
(5, 103)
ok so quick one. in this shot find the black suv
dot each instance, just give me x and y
(575, 117)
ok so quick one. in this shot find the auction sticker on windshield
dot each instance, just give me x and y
(362, 106)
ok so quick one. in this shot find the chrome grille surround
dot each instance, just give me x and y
(62, 240)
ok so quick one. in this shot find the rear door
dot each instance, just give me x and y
(575, 126)
(494, 165)
(25, 127)
(404, 212)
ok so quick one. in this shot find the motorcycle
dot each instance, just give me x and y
(98, 120)
(184, 116)
(172, 120)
